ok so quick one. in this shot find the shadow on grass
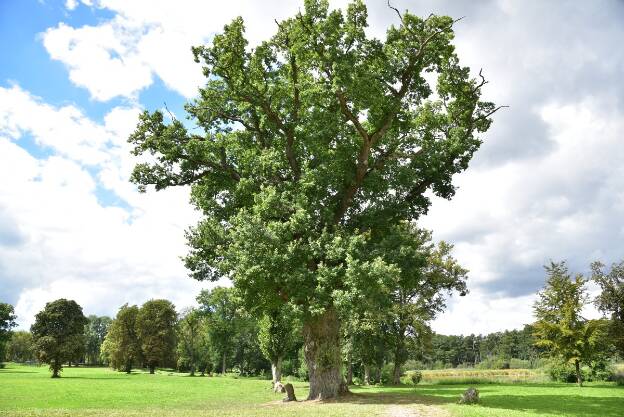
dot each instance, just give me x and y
(14, 371)
(538, 403)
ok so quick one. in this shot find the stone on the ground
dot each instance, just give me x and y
(278, 387)
(290, 392)
(470, 396)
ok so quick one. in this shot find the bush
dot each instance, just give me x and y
(601, 371)
(415, 377)
(470, 396)
(386, 373)
(618, 378)
(565, 372)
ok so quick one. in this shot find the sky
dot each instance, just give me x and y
(547, 183)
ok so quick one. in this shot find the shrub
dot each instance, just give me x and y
(414, 377)
(386, 373)
(601, 371)
(618, 378)
(565, 372)
(470, 396)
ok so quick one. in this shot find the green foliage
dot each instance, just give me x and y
(155, 328)
(312, 145)
(611, 299)
(193, 342)
(277, 333)
(560, 329)
(7, 322)
(414, 377)
(21, 347)
(95, 332)
(121, 347)
(58, 334)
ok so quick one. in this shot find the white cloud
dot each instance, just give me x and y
(63, 241)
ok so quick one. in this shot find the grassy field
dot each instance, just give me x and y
(28, 391)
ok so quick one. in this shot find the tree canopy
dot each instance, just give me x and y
(7, 322)
(309, 145)
(155, 327)
(58, 334)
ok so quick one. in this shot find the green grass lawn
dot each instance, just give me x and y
(29, 391)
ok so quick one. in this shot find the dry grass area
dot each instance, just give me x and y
(467, 376)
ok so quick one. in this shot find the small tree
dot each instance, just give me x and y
(221, 307)
(20, 348)
(190, 347)
(611, 299)
(155, 326)
(7, 322)
(560, 328)
(121, 345)
(58, 334)
(276, 338)
(95, 332)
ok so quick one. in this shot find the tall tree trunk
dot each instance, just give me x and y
(396, 374)
(223, 368)
(128, 367)
(579, 378)
(321, 335)
(367, 375)
(152, 367)
(276, 370)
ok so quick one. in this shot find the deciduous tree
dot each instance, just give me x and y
(20, 348)
(560, 328)
(58, 334)
(155, 327)
(7, 322)
(95, 332)
(276, 338)
(121, 345)
(611, 299)
(306, 143)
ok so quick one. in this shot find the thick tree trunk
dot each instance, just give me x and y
(55, 370)
(128, 367)
(321, 336)
(367, 375)
(396, 374)
(223, 368)
(579, 378)
(152, 368)
(276, 370)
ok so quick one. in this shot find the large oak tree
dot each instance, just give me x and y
(305, 144)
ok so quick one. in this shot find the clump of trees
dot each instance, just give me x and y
(121, 347)
(58, 334)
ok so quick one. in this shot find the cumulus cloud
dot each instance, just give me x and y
(547, 183)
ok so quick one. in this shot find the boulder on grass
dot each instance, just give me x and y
(290, 393)
(278, 387)
(470, 396)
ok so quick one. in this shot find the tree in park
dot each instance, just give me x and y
(560, 328)
(315, 140)
(95, 332)
(121, 345)
(611, 299)
(222, 309)
(58, 334)
(20, 348)
(276, 339)
(416, 292)
(193, 348)
(155, 326)
(7, 322)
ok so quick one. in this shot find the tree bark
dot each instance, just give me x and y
(366, 374)
(321, 335)
(128, 367)
(223, 368)
(152, 368)
(396, 374)
(579, 378)
(276, 370)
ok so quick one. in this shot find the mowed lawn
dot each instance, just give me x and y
(29, 391)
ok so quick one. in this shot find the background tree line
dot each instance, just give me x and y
(220, 335)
